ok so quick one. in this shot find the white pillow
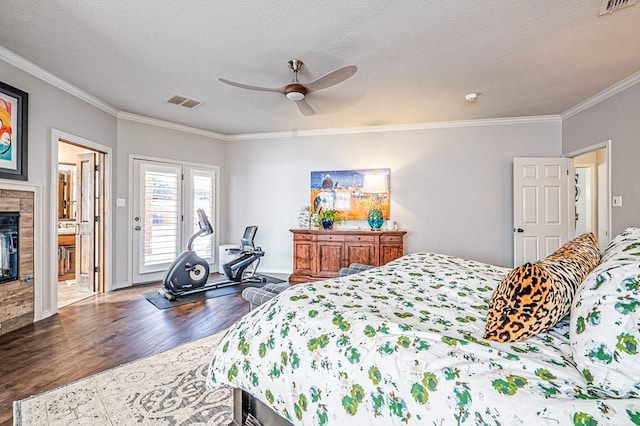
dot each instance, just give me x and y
(605, 320)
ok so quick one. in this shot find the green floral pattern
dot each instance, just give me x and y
(402, 344)
(605, 321)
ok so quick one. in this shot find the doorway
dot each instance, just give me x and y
(166, 197)
(80, 222)
(591, 182)
(575, 201)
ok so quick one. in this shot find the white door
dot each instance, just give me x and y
(165, 199)
(86, 222)
(543, 206)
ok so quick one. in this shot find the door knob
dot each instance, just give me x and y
(137, 218)
(137, 228)
(519, 230)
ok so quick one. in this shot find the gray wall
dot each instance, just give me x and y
(451, 188)
(51, 108)
(617, 119)
(162, 143)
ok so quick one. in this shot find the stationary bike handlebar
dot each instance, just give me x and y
(205, 228)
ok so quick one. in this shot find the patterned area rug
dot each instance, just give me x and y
(163, 389)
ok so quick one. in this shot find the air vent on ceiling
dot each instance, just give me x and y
(184, 101)
(610, 6)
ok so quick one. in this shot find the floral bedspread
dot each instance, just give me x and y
(402, 344)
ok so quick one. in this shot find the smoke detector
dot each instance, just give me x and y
(471, 97)
(610, 6)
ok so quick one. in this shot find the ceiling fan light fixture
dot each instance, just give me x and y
(295, 96)
(295, 92)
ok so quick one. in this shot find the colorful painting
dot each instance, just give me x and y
(342, 190)
(13, 133)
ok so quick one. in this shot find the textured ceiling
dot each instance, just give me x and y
(416, 59)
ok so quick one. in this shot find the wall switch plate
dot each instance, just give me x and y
(120, 202)
(617, 201)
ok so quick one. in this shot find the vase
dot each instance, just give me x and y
(327, 224)
(304, 217)
(375, 219)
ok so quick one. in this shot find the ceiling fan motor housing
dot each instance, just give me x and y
(295, 92)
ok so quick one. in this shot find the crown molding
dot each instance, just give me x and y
(398, 127)
(31, 68)
(605, 94)
(169, 125)
(341, 130)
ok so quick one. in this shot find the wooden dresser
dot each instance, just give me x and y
(318, 254)
(66, 257)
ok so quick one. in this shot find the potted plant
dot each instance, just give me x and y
(326, 218)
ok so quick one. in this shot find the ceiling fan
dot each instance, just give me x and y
(296, 91)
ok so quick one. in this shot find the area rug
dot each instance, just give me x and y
(161, 303)
(163, 389)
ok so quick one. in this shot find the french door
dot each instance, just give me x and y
(165, 198)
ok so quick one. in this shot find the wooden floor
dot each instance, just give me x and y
(99, 333)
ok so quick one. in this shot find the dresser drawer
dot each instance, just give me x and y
(361, 238)
(391, 238)
(65, 240)
(330, 237)
(303, 237)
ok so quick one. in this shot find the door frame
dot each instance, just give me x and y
(130, 231)
(606, 145)
(106, 176)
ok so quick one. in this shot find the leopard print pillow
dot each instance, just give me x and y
(533, 297)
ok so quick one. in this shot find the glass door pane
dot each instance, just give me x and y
(158, 216)
(200, 184)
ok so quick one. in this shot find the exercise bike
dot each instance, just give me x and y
(189, 273)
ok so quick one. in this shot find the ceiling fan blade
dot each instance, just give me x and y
(247, 86)
(305, 108)
(331, 79)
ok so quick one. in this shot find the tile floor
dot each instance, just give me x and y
(68, 293)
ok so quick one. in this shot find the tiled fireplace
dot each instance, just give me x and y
(16, 260)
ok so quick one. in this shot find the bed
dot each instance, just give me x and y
(404, 344)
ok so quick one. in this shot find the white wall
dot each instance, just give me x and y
(164, 143)
(617, 119)
(451, 188)
(51, 108)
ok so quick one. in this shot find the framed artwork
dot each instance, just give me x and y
(13, 132)
(343, 190)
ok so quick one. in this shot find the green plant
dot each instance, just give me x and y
(329, 215)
